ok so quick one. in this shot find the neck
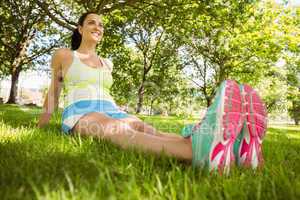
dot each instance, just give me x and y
(87, 48)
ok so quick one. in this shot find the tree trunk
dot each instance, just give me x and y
(208, 101)
(13, 87)
(208, 98)
(16, 67)
(141, 98)
(170, 107)
(151, 106)
(296, 111)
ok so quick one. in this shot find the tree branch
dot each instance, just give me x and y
(115, 6)
(46, 8)
(155, 51)
(55, 9)
(38, 54)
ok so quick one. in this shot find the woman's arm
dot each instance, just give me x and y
(52, 97)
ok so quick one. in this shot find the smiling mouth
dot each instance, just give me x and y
(97, 34)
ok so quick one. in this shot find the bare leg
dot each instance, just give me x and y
(138, 125)
(119, 132)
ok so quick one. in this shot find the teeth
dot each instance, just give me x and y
(97, 34)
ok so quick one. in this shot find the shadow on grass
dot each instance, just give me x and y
(23, 169)
(21, 116)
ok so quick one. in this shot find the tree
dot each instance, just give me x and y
(21, 25)
(231, 40)
(160, 84)
(152, 43)
(293, 83)
(290, 28)
(125, 75)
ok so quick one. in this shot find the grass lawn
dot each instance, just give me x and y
(45, 164)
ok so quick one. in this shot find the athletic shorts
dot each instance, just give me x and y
(75, 111)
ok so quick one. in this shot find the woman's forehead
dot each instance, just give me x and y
(93, 17)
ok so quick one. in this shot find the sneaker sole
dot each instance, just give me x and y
(250, 151)
(230, 122)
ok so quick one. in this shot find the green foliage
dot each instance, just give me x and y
(232, 39)
(293, 94)
(151, 63)
(290, 25)
(126, 75)
(151, 42)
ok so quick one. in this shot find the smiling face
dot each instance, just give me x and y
(92, 28)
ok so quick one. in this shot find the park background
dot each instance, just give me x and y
(169, 58)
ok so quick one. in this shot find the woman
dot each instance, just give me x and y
(90, 110)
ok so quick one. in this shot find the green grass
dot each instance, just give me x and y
(45, 164)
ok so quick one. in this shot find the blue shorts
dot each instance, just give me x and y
(75, 111)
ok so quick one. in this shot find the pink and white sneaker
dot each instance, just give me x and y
(213, 139)
(248, 145)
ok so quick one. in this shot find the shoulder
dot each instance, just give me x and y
(108, 63)
(62, 53)
(61, 57)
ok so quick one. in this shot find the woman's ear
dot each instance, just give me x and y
(80, 29)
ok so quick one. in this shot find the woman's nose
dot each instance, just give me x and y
(98, 29)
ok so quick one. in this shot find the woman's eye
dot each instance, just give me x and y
(92, 22)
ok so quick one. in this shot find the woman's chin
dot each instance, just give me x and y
(95, 40)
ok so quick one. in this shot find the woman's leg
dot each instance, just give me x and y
(119, 132)
(138, 125)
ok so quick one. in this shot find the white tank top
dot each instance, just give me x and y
(83, 82)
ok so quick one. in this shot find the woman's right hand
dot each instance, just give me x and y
(44, 119)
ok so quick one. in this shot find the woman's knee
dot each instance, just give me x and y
(89, 126)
